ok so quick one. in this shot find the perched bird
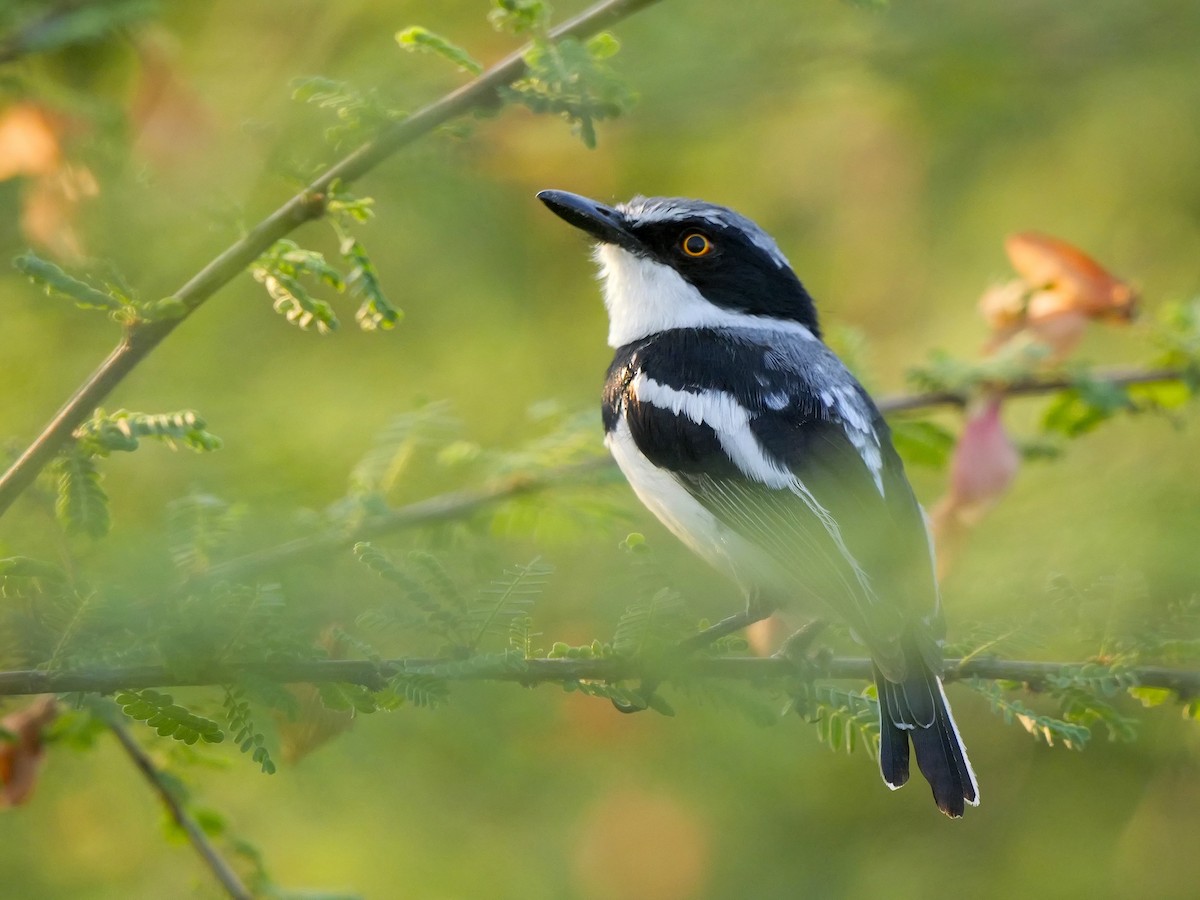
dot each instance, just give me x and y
(750, 440)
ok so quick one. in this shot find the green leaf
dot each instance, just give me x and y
(652, 624)
(280, 271)
(507, 597)
(375, 312)
(160, 712)
(396, 445)
(1079, 410)
(82, 505)
(122, 430)
(423, 40)
(922, 442)
(602, 46)
(845, 720)
(1151, 696)
(295, 303)
(420, 690)
(199, 526)
(359, 114)
(436, 597)
(241, 725)
(519, 16)
(573, 80)
(944, 372)
(24, 567)
(1177, 333)
(1161, 395)
(1191, 709)
(58, 283)
(344, 697)
(1048, 729)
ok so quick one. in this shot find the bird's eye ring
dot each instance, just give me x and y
(695, 244)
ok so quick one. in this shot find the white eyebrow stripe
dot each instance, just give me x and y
(649, 210)
(730, 421)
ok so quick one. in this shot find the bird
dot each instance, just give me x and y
(748, 438)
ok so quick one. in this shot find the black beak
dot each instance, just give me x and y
(604, 223)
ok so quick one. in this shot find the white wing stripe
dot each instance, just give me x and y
(730, 421)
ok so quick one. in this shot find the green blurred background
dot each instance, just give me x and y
(889, 152)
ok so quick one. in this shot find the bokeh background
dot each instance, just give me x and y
(889, 151)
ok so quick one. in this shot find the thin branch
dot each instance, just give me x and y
(440, 508)
(141, 339)
(375, 674)
(216, 863)
(1029, 386)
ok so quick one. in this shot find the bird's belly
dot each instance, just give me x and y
(686, 517)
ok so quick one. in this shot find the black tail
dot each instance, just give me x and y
(916, 708)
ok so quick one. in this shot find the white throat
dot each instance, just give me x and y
(645, 297)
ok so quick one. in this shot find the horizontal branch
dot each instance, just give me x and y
(375, 674)
(1025, 387)
(141, 339)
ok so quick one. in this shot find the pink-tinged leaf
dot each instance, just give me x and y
(985, 461)
(982, 469)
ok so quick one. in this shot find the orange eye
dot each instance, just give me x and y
(696, 244)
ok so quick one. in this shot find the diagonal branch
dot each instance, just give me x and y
(374, 674)
(141, 339)
(221, 869)
(439, 508)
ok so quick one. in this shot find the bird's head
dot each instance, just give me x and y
(670, 262)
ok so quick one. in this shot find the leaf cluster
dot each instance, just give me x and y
(359, 114)
(572, 79)
(845, 720)
(286, 270)
(241, 725)
(160, 712)
(82, 503)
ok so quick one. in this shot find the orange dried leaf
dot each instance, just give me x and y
(21, 758)
(1052, 265)
(28, 142)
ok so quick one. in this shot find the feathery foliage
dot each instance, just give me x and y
(82, 504)
(57, 283)
(1046, 728)
(199, 528)
(241, 725)
(845, 720)
(418, 39)
(160, 712)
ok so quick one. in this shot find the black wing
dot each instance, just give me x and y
(825, 497)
